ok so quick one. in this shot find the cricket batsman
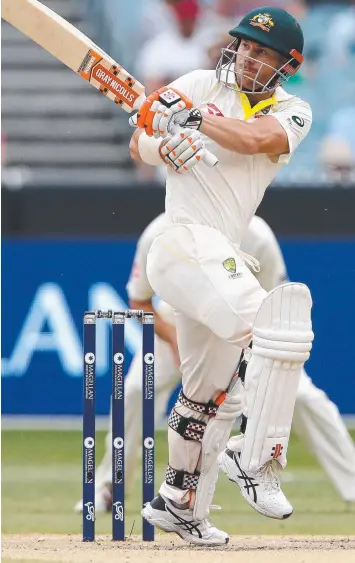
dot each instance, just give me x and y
(316, 418)
(244, 116)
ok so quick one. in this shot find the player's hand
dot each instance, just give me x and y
(165, 109)
(183, 151)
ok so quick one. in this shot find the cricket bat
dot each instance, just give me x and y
(73, 48)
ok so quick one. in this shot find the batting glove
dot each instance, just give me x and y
(165, 109)
(183, 151)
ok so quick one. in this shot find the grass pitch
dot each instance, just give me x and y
(41, 481)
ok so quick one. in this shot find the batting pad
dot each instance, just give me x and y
(214, 441)
(282, 340)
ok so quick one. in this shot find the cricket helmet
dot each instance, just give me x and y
(274, 28)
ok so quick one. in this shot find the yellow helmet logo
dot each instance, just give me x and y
(230, 265)
(264, 21)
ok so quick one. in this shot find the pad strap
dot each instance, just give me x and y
(181, 479)
(243, 423)
(188, 428)
(209, 408)
(243, 364)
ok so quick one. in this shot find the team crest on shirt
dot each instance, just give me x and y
(230, 265)
(264, 21)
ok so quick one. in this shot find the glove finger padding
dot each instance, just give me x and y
(183, 151)
(186, 152)
(186, 165)
(189, 153)
(178, 138)
(163, 119)
(191, 162)
(191, 139)
(165, 116)
(159, 111)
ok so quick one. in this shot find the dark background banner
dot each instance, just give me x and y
(108, 211)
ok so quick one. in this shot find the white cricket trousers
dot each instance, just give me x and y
(197, 271)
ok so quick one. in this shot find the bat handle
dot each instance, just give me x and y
(208, 158)
(133, 120)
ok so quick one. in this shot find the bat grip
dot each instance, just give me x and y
(133, 120)
(208, 158)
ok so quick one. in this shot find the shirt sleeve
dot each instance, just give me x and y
(296, 119)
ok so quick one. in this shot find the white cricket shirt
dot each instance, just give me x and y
(226, 197)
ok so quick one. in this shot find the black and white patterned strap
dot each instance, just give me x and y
(181, 479)
(204, 408)
(188, 428)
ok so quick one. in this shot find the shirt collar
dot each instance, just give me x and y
(281, 94)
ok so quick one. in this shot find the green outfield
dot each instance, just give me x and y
(41, 481)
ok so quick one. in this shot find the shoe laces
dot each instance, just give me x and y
(269, 474)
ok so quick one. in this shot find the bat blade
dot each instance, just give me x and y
(73, 48)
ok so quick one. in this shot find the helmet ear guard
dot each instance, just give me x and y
(293, 65)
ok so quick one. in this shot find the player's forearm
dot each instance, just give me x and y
(133, 146)
(162, 329)
(231, 134)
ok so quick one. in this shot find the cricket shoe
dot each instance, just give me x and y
(166, 516)
(261, 488)
(103, 500)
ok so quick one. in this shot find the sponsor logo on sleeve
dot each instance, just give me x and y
(298, 120)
